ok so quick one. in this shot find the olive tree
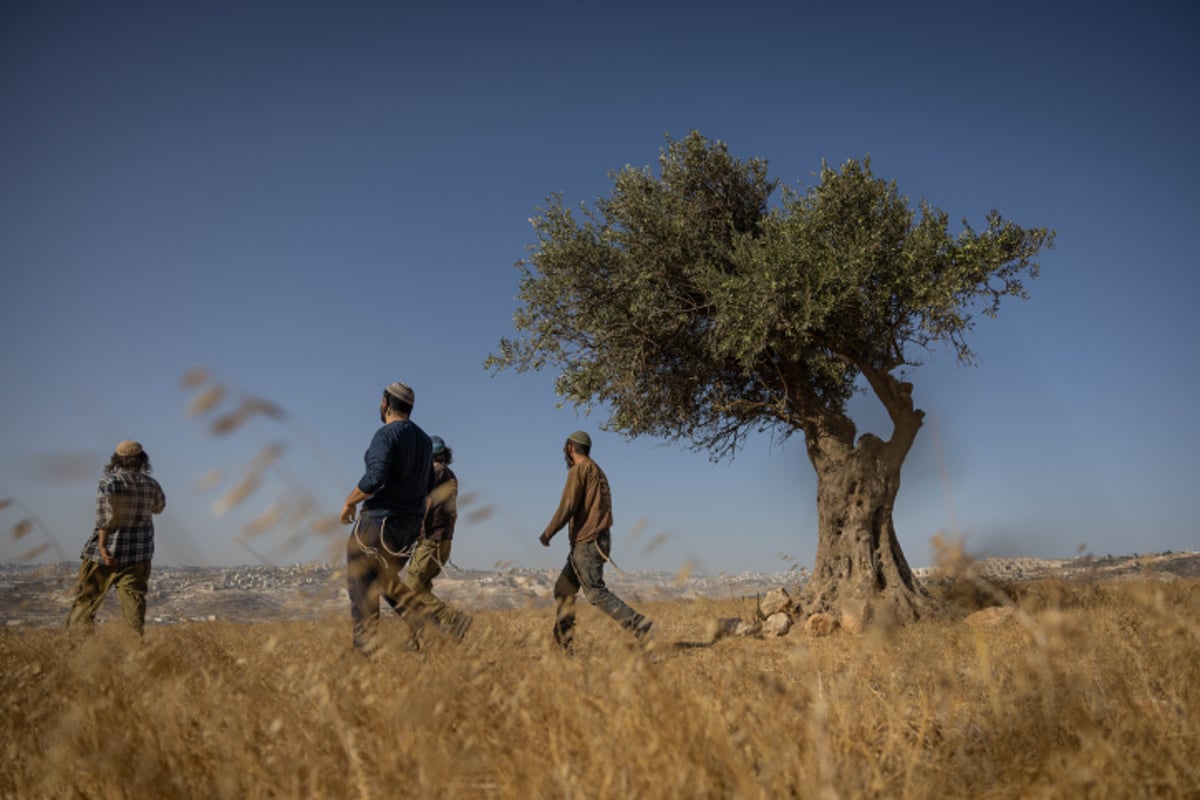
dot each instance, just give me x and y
(692, 309)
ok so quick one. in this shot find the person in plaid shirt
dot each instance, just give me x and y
(119, 550)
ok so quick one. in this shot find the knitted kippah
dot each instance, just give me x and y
(402, 392)
(581, 438)
(129, 448)
(438, 444)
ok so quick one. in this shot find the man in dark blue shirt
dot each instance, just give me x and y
(392, 492)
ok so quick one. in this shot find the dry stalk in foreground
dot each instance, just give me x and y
(1098, 698)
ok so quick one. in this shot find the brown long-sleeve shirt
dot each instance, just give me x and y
(442, 507)
(586, 503)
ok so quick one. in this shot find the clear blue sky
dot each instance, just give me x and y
(315, 199)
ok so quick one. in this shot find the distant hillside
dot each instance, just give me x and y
(35, 595)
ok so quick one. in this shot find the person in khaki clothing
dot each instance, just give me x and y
(118, 552)
(433, 548)
(586, 506)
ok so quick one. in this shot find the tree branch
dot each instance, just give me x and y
(896, 397)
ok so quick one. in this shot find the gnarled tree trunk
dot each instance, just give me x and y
(859, 562)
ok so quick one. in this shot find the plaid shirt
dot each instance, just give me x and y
(125, 501)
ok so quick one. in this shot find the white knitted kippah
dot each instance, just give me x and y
(402, 392)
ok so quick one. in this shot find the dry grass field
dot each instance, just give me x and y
(1092, 691)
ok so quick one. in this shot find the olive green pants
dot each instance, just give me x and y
(131, 582)
(426, 564)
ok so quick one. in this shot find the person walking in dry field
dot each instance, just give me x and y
(392, 491)
(118, 552)
(586, 506)
(433, 548)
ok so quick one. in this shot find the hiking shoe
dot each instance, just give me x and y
(645, 634)
(565, 641)
(460, 627)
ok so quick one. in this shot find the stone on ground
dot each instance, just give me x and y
(776, 601)
(778, 624)
(820, 624)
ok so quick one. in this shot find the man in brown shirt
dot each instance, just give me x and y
(587, 507)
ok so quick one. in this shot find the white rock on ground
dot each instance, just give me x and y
(748, 628)
(776, 601)
(777, 624)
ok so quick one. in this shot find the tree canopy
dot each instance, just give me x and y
(696, 311)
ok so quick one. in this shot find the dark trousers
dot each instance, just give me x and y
(585, 570)
(376, 552)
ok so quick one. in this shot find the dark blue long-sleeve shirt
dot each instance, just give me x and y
(399, 463)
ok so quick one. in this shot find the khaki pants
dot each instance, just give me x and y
(131, 582)
(426, 564)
